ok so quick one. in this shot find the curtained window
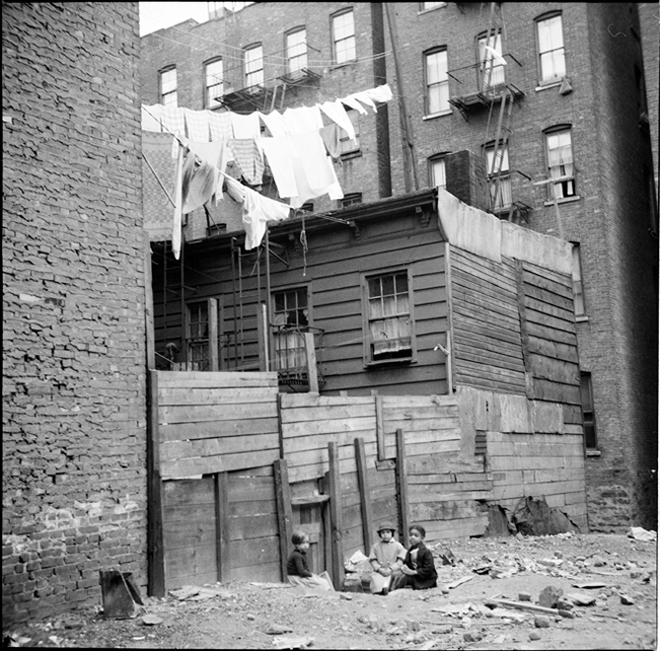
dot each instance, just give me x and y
(289, 322)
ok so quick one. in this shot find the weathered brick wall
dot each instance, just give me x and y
(74, 484)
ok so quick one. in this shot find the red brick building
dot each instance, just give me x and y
(550, 101)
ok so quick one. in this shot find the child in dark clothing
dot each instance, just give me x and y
(297, 571)
(418, 569)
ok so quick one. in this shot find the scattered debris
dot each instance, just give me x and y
(151, 620)
(581, 599)
(278, 629)
(460, 581)
(639, 533)
(524, 596)
(594, 585)
(520, 605)
(533, 517)
(534, 635)
(293, 642)
(542, 621)
(626, 600)
(550, 596)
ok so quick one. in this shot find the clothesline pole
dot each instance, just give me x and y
(267, 333)
(146, 160)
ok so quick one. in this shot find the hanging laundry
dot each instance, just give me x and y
(173, 121)
(245, 127)
(220, 124)
(249, 160)
(157, 173)
(365, 99)
(354, 104)
(197, 124)
(215, 155)
(302, 120)
(235, 189)
(331, 139)
(274, 123)
(177, 218)
(200, 181)
(278, 153)
(151, 117)
(337, 113)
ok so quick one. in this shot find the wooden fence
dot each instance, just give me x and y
(241, 466)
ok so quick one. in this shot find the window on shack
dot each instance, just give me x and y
(290, 320)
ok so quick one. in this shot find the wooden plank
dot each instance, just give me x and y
(170, 396)
(187, 492)
(558, 305)
(220, 379)
(252, 527)
(262, 337)
(212, 311)
(310, 356)
(555, 370)
(365, 495)
(193, 561)
(284, 511)
(218, 429)
(548, 280)
(183, 468)
(443, 404)
(175, 450)
(197, 530)
(205, 413)
(402, 485)
(264, 572)
(302, 417)
(380, 432)
(336, 526)
(483, 329)
(555, 392)
(254, 555)
(156, 583)
(329, 425)
(222, 549)
(149, 307)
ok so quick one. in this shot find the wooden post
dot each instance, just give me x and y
(451, 359)
(310, 355)
(380, 431)
(402, 484)
(365, 498)
(262, 334)
(212, 309)
(222, 525)
(155, 549)
(524, 330)
(337, 572)
(149, 306)
(284, 511)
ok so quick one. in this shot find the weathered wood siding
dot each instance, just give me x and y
(486, 323)
(216, 422)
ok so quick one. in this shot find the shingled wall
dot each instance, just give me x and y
(74, 485)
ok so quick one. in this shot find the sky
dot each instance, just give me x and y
(158, 15)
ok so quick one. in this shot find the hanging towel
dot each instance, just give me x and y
(213, 154)
(248, 158)
(200, 181)
(173, 121)
(302, 120)
(257, 212)
(197, 123)
(354, 104)
(337, 113)
(220, 124)
(151, 117)
(381, 93)
(331, 139)
(274, 123)
(363, 97)
(278, 153)
(245, 127)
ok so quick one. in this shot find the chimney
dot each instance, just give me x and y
(465, 175)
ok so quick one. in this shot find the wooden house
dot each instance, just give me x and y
(413, 359)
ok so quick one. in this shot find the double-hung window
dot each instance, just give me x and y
(168, 87)
(491, 62)
(213, 74)
(389, 319)
(343, 37)
(254, 65)
(348, 147)
(559, 150)
(296, 50)
(436, 82)
(588, 415)
(499, 177)
(437, 172)
(578, 289)
(552, 62)
(197, 336)
(290, 320)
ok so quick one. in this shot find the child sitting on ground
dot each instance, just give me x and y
(297, 571)
(418, 571)
(386, 559)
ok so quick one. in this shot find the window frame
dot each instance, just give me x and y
(441, 49)
(298, 290)
(577, 277)
(289, 58)
(539, 54)
(432, 160)
(162, 95)
(209, 102)
(350, 199)
(367, 356)
(483, 61)
(335, 40)
(347, 149)
(504, 174)
(586, 386)
(570, 178)
(254, 46)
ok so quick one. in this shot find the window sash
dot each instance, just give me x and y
(551, 49)
(389, 318)
(578, 289)
(214, 83)
(492, 74)
(560, 163)
(343, 30)
(438, 173)
(168, 87)
(290, 320)
(296, 47)
(588, 415)
(437, 82)
(254, 66)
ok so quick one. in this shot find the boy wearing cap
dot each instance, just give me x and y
(386, 558)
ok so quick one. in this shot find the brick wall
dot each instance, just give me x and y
(74, 485)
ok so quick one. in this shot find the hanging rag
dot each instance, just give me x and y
(199, 182)
(337, 113)
(177, 218)
(363, 97)
(220, 124)
(215, 155)
(302, 120)
(381, 93)
(257, 212)
(274, 123)
(354, 104)
(197, 124)
(278, 153)
(151, 117)
(249, 160)
(331, 139)
(245, 127)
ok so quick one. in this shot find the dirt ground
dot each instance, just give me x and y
(615, 575)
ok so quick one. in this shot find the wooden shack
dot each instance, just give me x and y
(413, 359)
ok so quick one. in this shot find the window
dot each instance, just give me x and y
(389, 319)
(349, 146)
(197, 337)
(290, 320)
(578, 290)
(254, 66)
(588, 416)
(552, 64)
(499, 178)
(343, 37)
(560, 162)
(296, 51)
(214, 74)
(351, 199)
(437, 175)
(491, 63)
(436, 81)
(168, 87)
